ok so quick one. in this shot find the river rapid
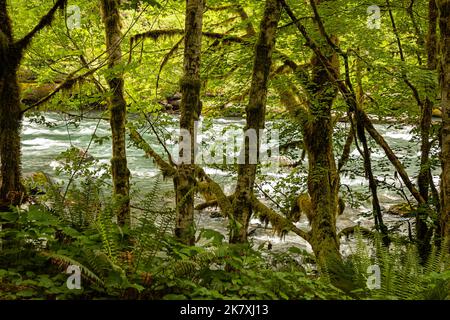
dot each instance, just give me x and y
(41, 144)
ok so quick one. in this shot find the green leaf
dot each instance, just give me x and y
(12, 216)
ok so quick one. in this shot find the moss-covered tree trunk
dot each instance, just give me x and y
(444, 80)
(323, 178)
(10, 113)
(11, 53)
(184, 181)
(118, 110)
(317, 127)
(255, 111)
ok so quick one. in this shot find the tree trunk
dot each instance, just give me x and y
(317, 127)
(423, 232)
(361, 133)
(11, 53)
(444, 80)
(323, 178)
(184, 181)
(255, 110)
(118, 111)
(11, 190)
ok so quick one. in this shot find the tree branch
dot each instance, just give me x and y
(65, 85)
(44, 22)
(166, 168)
(279, 223)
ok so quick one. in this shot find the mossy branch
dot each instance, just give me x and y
(166, 168)
(223, 200)
(168, 33)
(212, 203)
(157, 34)
(280, 224)
(44, 22)
(207, 204)
(65, 85)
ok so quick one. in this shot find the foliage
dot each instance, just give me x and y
(402, 275)
(69, 220)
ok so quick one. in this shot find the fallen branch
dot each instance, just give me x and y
(65, 85)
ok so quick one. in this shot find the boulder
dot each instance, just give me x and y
(215, 214)
(401, 209)
(437, 113)
(84, 155)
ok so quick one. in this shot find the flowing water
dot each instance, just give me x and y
(41, 145)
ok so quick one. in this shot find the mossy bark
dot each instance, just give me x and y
(11, 53)
(118, 111)
(323, 177)
(11, 190)
(184, 180)
(444, 80)
(317, 126)
(255, 111)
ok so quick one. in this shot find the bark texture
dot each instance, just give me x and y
(255, 111)
(11, 189)
(444, 80)
(118, 110)
(184, 181)
(11, 53)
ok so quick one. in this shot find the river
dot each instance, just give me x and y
(41, 144)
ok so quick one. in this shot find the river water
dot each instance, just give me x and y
(41, 144)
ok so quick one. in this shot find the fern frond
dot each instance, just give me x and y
(107, 231)
(64, 261)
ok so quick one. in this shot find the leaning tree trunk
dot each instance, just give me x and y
(118, 111)
(255, 111)
(427, 107)
(184, 181)
(444, 80)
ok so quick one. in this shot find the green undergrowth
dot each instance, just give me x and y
(41, 240)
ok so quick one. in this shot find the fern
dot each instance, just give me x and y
(107, 231)
(153, 226)
(402, 275)
(64, 261)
